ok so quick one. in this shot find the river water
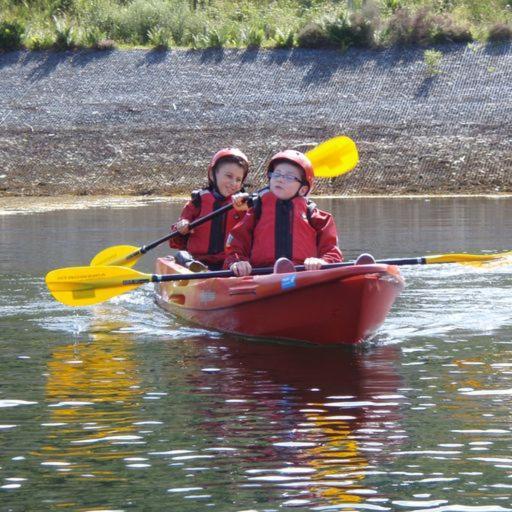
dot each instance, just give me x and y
(121, 407)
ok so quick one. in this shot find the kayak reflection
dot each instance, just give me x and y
(312, 422)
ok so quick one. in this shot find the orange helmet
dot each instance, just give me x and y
(224, 153)
(297, 158)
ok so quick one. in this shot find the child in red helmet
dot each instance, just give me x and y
(226, 174)
(283, 222)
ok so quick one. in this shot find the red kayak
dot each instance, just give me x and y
(335, 306)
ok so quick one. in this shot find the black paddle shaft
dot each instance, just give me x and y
(157, 278)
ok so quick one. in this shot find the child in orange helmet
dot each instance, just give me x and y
(283, 222)
(227, 172)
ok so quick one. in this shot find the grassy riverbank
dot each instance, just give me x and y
(71, 24)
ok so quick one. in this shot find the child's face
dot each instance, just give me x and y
(229, 177)
(286, 181)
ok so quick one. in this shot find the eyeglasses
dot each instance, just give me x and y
(286, 177)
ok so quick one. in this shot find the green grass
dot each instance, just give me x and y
(71, 24)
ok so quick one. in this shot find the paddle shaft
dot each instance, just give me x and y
(420, 260)
(160, 278)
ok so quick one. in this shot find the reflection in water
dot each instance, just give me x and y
(94, 395)
(324, 417)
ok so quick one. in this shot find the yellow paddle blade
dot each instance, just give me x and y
(334, 157)
(118, 255)
(477, 260)
(83, 286)
(496, 260)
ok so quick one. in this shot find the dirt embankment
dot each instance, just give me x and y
(140, 122)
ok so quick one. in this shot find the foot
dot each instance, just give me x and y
(365, 259)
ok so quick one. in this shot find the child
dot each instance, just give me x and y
(226, 174)
(282, 222)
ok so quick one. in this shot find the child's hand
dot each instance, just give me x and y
(240, 201)
(313, 263)
(241, 268)
(182, 226)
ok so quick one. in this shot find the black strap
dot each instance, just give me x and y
(256, 208)
(283, 232)
(217, 230)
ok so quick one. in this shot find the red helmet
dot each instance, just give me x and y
(226, 152)
(297, 158)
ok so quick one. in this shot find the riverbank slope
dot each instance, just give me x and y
(139, 122)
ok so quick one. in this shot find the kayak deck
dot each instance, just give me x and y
(333, 306)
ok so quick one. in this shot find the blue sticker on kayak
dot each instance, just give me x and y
(288, 282)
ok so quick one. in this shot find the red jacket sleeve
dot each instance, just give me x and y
(189, 212)
(239, 241)
(327, 237)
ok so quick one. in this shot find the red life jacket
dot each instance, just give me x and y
(282, 229)
(207, 241)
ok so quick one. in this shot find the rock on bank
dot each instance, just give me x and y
(147, 122)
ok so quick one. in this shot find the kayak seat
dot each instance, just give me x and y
(185, 259)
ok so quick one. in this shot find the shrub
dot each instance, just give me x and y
(92, 37)
(392, 5)
(159, 38)
(358, 31)
(198, 41)
(66, 36)
(405, 27)
(253, 38)
(446, 30)
(432, 61)
(284, 40)
(39, 40)
(105, 45)
(313, 35)
(10, 35)
(500, 32)
(215, 39)
(423, 27)
(133, 22)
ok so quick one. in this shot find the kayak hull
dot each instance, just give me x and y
(338, 306)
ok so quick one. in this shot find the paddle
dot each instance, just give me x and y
(83, 286)
(463, 259)
(331, 158)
